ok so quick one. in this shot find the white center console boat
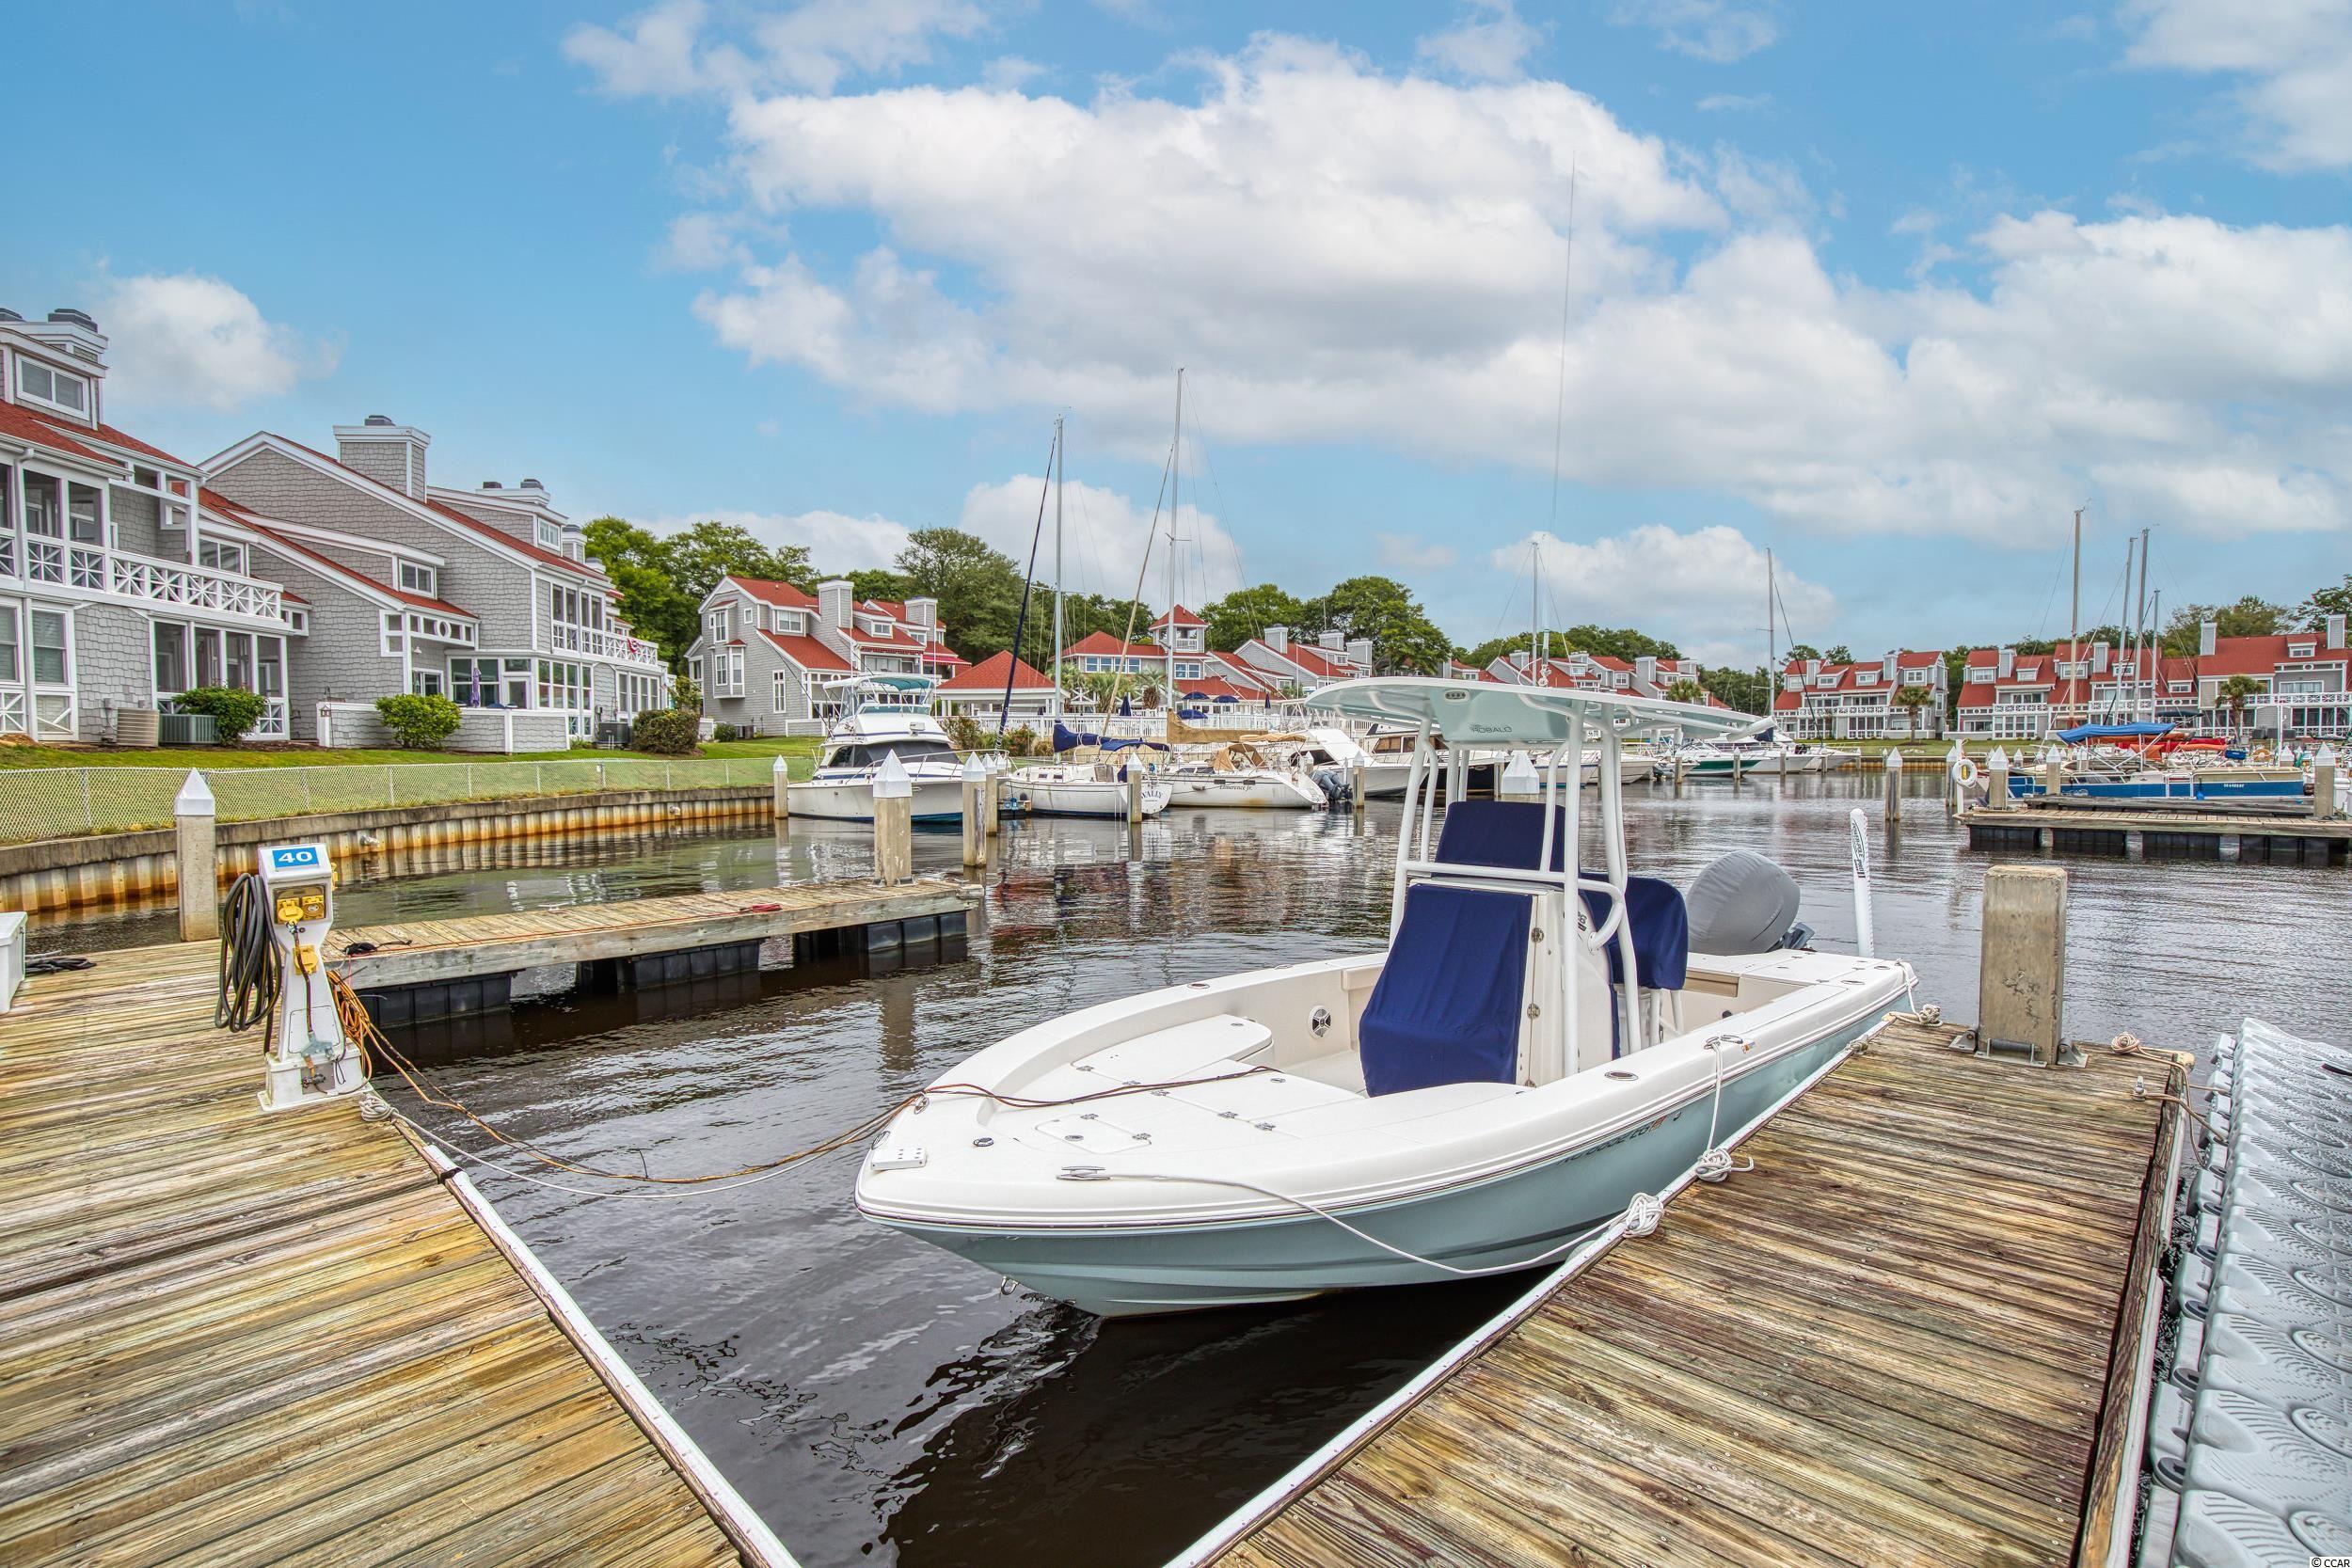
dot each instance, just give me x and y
(1538, 1044)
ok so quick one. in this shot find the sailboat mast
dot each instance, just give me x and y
(1175, 480)
(1062, 461)
(1538, 645)
(1771, 648)
(2144, 645)
(2074, 617)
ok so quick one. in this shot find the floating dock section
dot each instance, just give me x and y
(1916, 1333)
(2159, 832)
(233, 1339)
(421, 971)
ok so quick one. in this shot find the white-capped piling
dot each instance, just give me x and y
(975, 796)
(194, 813)
(2324, 783)
(1518, 781)
(2021, 965)
(894, 823)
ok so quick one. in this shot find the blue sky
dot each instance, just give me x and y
(1889, 300)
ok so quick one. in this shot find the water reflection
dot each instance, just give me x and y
(880, 1401)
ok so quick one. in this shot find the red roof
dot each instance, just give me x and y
(2261, 656)
(808, 652)
(1242, 675)
(989, 676)
(1180, 616)
(1212, 689)
(21, 422)
(1103, 642)
(238, 515)
(768, 590)
(1847, 676)
(1308, 657)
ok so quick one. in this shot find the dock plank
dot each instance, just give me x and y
(1895, 1340)
(231, 1338)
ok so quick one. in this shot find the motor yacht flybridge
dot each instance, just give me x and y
(1546, 1036)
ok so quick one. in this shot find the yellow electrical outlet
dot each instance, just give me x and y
(289, 908)
(306, 957)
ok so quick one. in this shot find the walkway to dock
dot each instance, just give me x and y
(1910, 1335)
(2188, 830)
(235, 1338)
(426, 951)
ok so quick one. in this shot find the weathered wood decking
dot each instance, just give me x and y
(1908, 1337)
(425, 951)
(2187, 829)
(235, 1338)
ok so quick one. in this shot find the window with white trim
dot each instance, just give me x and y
(394, 634)
(415, 578)
(169, 490)
(46, 384)
(783, 699)
(12, 650)
(550, 537)
(53, 661)
(220, 555)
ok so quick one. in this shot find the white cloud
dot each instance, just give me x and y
(835, 541)
(1717, 30)
(1345, 255)
(1726, 103)
(1103, 540)
(1490, 44)
(1701, 590)
(1011, 72)
(2294, 57)
(701, 241)
(1405, 552)
(661, 52)
(186, 339)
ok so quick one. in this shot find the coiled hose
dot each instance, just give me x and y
(248, 974)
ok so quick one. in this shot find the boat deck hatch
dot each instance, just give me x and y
(1090, 1132)
(1183, 1051)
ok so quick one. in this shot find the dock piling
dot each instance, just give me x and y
(893, 824)
(194, 813)
(974, 799)
(993, 803)
(1134, 771)
(2021, 979)
(783, 808)
(2324, 783)
(1894, 771)
(1356, 789)
(1997, 776)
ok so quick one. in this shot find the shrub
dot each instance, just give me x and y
(964, 733)
(1020, 742)
(419, 723)
(233, 711)
(668, 731)
(687, 694)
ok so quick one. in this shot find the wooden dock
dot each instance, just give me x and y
(230, 1338)
(2160, 830)
(632, 931)
(1914, 1334)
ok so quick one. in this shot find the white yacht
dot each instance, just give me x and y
(889, 716)
(1538, 1044)
(1331, 755)
(1097, 788)
(1233, 775)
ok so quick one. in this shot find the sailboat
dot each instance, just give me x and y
(1075, 789)
(1537, 1044)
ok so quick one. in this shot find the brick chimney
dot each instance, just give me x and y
(390, 454)
(833, 603)
(2207, 632)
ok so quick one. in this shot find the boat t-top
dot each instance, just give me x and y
(889, 716)
(1546, 1036)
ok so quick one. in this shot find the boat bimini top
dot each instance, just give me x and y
(1452, 883)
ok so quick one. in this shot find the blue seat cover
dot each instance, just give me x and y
(1510, 834)
(1446, 1009)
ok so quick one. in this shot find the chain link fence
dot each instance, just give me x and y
(63, 803)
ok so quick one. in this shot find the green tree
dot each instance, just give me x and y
(2251, 616)
(1402, 635)
(662, 579)
(1797, 651)
(1839, 654)
(1686, 691)
(2313, 613)
(876, 582)
(1749, 690)
(978, 586)
(1911, 699)
(1246, 612)
(2236, 693)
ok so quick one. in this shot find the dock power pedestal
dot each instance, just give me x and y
(308, 1059)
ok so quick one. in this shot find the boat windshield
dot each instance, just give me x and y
(869, 754)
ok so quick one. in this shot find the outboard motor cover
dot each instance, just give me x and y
(1742, 903)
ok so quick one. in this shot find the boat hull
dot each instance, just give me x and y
(1082, 798)
(1243, 793)
(852, 800)
(1502, 1223)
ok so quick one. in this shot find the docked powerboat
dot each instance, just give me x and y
(889, 717)
(1538, 1044)
(1333, 757)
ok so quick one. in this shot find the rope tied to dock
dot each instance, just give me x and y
(1643, 1214)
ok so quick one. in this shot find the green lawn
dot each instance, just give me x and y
(800, 752)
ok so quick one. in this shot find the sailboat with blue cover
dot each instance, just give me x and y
(1545, 1036)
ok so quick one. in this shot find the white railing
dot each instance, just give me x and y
(118, 574)
(598, 642)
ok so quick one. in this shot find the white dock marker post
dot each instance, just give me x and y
(1858, 838)
(2053, 771)
(992, 807)
(1356, 789)
(1996, 775)
(2324, 783)
(783, 800)
(1518, 781)
(1894, 771)
(1951, 779)
(194, 813)
(1135, 787)
(894, 823)
(975, 808)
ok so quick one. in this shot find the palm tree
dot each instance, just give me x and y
(1911, 699)
(1686, 691)
(2235, 694)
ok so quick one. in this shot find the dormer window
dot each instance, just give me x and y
(39, 383)
(550, 536)
(1865, 677)
(2301, 650)
(419, 580)
(789, 622)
